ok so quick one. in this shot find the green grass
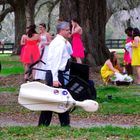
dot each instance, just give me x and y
(10, 65)
(9, 70)
(8, 89)
(60, 133)
(125, 101)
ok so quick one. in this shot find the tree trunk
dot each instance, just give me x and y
(92, 17)
(24, 16)
(30, 8)
(20, 24)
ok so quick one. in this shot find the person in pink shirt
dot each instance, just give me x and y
(77, 44)
(30, 53)
(128, 51)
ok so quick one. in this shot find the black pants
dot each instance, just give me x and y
(46, 116)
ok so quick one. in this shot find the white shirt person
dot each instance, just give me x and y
(45, 39)
(58, 56)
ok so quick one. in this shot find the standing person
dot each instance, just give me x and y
(45, 39)
(128, 50)
(31, 51)
(77, 45)
(57, 60)
(136, 54)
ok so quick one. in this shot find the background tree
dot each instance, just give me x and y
(91, 14)
(92, 17)
(24, 16)
(114, 6)
(20, 21)
(30, 11)
(24, 11)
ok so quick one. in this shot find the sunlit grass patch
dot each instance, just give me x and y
(11, 65)
(12, 70)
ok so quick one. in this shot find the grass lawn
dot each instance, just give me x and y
(59, 133)
(125, 100)
(10, 65)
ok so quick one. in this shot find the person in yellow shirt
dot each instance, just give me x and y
(110, 66)
(136, 54)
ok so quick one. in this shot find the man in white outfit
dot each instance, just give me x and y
(57, 59)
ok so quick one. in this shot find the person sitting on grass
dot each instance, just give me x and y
(111, 70)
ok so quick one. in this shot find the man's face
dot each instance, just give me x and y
(66, 32)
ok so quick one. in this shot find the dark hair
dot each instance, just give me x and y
(129, 31)
(114, 62)
(31, 30)
(75, 20)
(43, 25)
(28, 27)
(136, 32)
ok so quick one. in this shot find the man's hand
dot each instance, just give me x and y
(56, 84)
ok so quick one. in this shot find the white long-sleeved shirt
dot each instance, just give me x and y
(58, 55)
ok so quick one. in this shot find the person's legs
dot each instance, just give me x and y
(138, 74)
(45, 118)
(78, 60)
(64, 118)
(26, 67)
(129, 69)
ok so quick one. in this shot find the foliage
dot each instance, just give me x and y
(66, 133)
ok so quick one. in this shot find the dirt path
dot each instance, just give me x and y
(31, 119)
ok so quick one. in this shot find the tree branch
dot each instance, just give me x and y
(50, 11)
(5, 12)
(44, 3)
(32, 2)
(53, 4)
(3, 2)
(11, 2)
